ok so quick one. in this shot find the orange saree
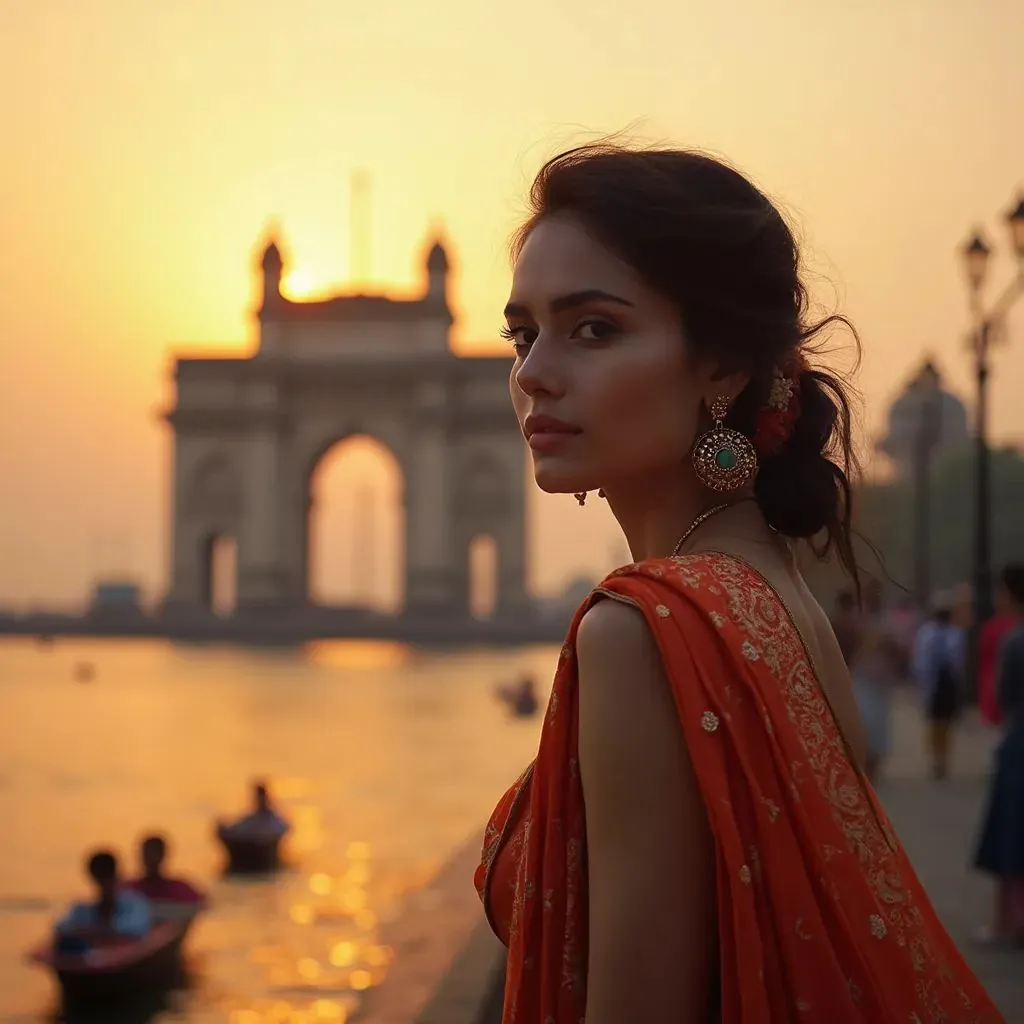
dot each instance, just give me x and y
(820, 914)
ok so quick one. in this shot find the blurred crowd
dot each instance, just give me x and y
(888, 646)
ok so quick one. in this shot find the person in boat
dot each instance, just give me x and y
(262, 822)
(696, 838)
(117, 913)
(156, 886)
(524, 697)
(520, 698)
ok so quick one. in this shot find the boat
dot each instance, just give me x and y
(180, 912)
(252, 854)
(119, 974)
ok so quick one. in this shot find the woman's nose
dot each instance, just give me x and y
(540, 372)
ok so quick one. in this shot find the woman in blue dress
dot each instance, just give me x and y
(1001, 844)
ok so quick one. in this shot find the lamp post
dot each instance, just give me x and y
(927, 434)
(976, 254)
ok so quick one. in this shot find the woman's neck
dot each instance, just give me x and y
(654, 516)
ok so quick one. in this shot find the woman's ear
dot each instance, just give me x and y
(725, 384)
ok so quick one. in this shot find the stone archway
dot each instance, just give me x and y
(323, 371)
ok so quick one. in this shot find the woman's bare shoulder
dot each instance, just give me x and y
(615, 648)
(628, 723)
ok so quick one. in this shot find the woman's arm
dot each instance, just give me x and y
(651, 859)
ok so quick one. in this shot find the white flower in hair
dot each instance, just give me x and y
(782, 390)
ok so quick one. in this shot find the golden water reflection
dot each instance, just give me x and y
(382, 761)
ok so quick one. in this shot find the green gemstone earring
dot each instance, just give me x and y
(723, 459)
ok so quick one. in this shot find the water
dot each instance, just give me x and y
(383, 757)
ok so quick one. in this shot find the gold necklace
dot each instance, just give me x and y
(700, 520)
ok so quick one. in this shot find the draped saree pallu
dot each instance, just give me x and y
(820, 915)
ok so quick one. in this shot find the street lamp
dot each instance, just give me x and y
(976, 255)
(928, 432)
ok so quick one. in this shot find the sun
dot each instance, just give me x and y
(299, 283)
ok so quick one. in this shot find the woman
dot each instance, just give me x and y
(1001, 846)
(875, 670)
(695, 840)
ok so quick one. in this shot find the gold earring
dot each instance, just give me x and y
(723, 459)
(581, 497)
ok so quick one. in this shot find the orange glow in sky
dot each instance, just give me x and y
(299, 284)
(147, 147)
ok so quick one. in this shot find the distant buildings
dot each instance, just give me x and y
(116, 599)
(924, 405)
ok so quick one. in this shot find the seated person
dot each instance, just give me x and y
(520, 698)
(153, 884)
(525, 702)
(262, 821)
(115, 914)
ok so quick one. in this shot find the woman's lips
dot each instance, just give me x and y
(545, 433)
(549, 440)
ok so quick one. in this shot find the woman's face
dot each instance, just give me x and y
(602, 384)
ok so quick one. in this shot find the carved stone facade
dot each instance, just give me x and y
(249, 432)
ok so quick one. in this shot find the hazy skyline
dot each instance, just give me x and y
(148, 147)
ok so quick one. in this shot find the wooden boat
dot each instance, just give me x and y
(119, 974)
(252, 854)
(178, 912)
(175, 911)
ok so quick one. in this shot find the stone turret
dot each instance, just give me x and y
(272, 265)
(437, 274)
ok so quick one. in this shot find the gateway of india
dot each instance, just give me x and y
(249, 432)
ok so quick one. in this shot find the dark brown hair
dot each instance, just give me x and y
(701, 234)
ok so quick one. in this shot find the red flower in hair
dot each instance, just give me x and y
(776, 420)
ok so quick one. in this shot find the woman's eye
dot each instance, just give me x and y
(520, 337)
(595, 330)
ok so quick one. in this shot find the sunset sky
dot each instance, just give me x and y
(146, 146)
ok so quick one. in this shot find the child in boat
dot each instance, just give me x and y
(116, 913)
(153, 884)
(262, 822)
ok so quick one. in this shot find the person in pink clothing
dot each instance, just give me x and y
(157, 887)
(992, 635)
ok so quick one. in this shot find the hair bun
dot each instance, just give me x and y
(797, 495)
(800, 490)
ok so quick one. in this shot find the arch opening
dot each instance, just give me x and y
(482, 573)
(218, 565)
(355, 527)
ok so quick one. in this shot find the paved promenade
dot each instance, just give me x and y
(938, 823)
